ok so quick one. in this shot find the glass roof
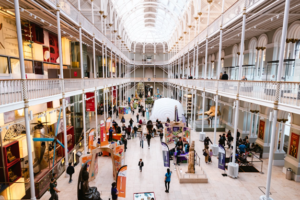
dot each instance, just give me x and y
(150, 20)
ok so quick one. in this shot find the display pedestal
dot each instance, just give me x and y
(215, 149)
(263, 197)
(233, 170)
(202, 136)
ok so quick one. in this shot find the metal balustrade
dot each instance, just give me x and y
(38, 88)
(10, 91)
(289, 93)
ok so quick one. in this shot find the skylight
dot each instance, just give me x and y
(150, 20)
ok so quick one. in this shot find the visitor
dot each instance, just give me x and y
(161, 135)
(187, 147)
(153, 132)
(123, 120)
(142, 138)
(118, 129)
(128, 131)
(220, 77)
(148, 137)
(242, 148)
(224, 76)
(110, 131)
(124, 129)
(117, 113)
(206, 142)
(141, 165)
(70, 171)
(137, 117)
(244, 78)
(132, 111)
(53, 190)
(135, 129)
(131, 122)
(143, 112)
(206, 154)
(229, 139)
(114, 191)
(168, 120)
(222, 140)
(179, 148)
(140, 122)
(157, 121)
(144, 122)
(124, 140)
(238, 134)
(210, 155)
(168, 180)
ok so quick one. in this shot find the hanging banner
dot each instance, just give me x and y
(119, 157)
(166, 155)
(121, 181)
(222, 156)
(90, 104)
(103, 138)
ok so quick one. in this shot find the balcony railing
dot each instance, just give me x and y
(11, 90)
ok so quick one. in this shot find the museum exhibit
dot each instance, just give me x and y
(149, 99)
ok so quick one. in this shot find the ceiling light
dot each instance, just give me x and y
(34, 17)
(22, 9)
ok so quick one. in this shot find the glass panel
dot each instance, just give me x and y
(4, 65)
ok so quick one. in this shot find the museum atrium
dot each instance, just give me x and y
(212, 86)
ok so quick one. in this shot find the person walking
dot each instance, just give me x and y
(70, 171)
(206, 154)
(143, 112)
(124, 140)
(123, 120)
(148, 137)
(238, 134)
(161, 135)
(135, 130)
(114, 191)
(168, 180)
(53, 190)
(128, 131)
(131, 122)
(117, 113)
(206, 142)
(142, 138)
(110, 131)
(137, 117)
(224, 76)
(141, 165)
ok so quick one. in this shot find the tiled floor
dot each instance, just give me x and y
(152, 178)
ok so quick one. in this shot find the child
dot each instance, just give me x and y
(210, 155)
(141, 164)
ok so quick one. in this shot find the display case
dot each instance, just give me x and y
(270, 71)
(11, 167)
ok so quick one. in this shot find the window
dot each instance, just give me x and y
(15, 66)
(4, 65)
(38, 67)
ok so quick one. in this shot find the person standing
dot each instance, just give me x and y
(206, 154)
(141, 164)
(143, 112)
(123, 120)
(179, 148)
(135, 130)
(161, 135)
(131, 122)
(206, 142)
(117, 113)
(137, 117)
(168, 180)
(148, 137)
(114, 191)
(238, 134)
(224, 76)
(110, 131)
(70, 171)
(128, 131)
(53, 190)
(142, 137)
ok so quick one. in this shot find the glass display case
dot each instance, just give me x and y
(269, 72)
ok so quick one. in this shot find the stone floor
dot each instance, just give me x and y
(152, 178)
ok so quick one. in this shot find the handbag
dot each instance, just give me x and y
(204, 153)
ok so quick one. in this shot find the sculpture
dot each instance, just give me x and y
(11, 175)
(211, 111)
(84, 191)
(10, 156)
(191, 160)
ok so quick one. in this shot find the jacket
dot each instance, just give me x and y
(141, 164)
(70, 170)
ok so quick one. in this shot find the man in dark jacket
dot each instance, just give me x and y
(225, 76)
(70, 171)
(206, 142)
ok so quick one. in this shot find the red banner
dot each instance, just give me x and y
(121, 181)
(103, 138)
(90, 104)
(294, 144)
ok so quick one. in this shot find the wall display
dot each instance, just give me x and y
(294, 145)
(91, 135)
(46, 54)
(14, 131)
(175, 130)
(144, 196)
(8, 37)
(261, 130)
(9, 116)
(103, 138)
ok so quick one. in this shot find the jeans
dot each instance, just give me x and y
(167, 184)
(161, 137)
(134, 133)
(141, 168)
(142, 143)
(70, 180)
(152, 134)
